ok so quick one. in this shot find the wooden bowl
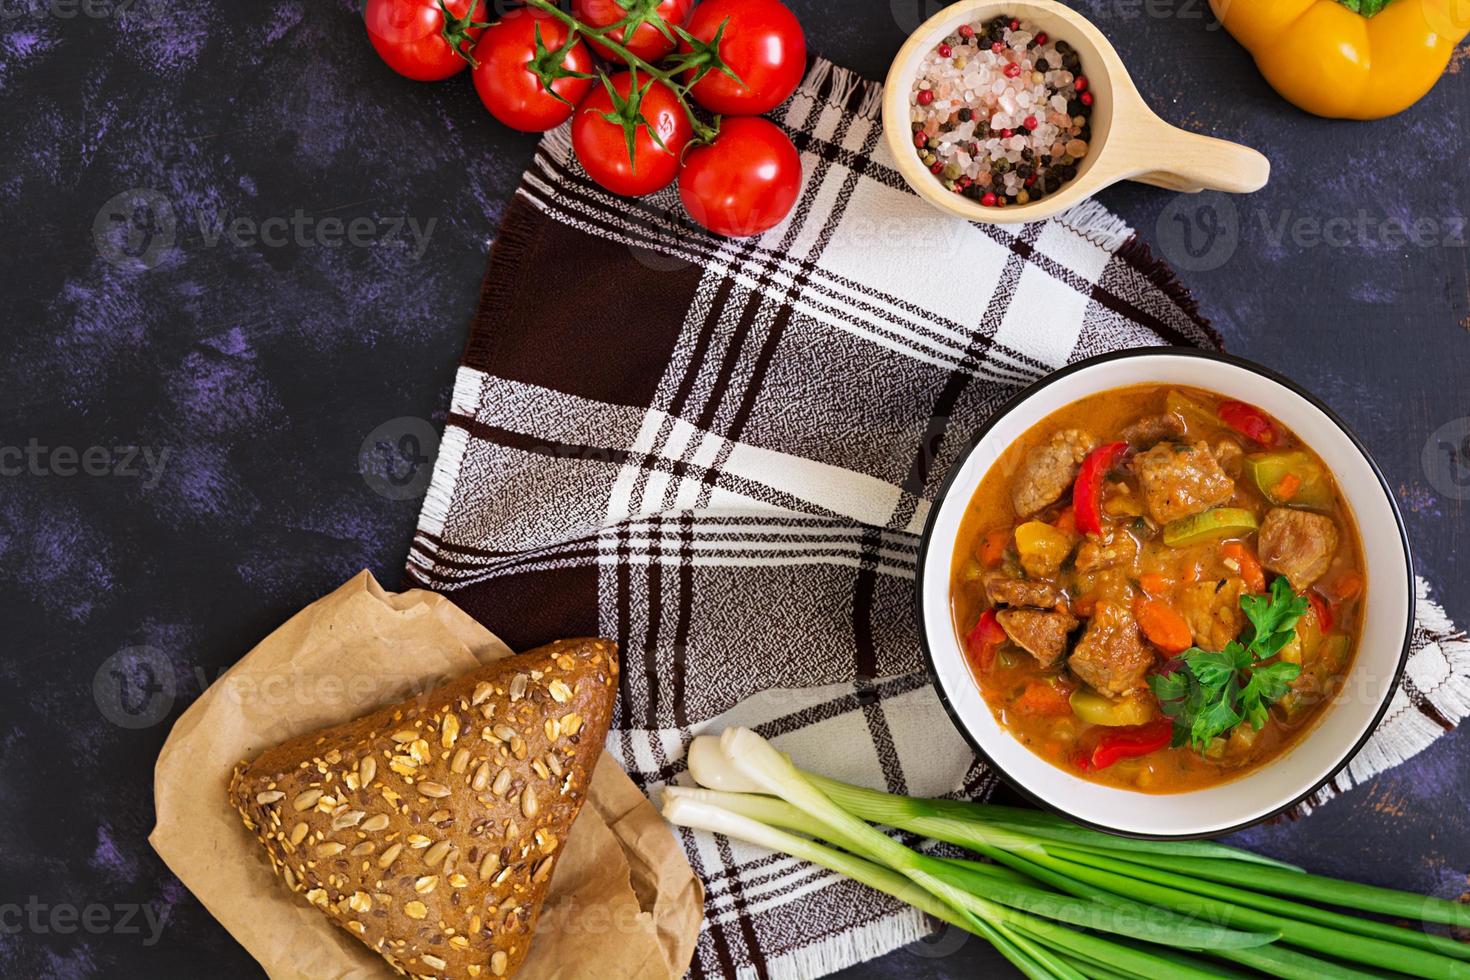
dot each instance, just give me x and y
(1129, 141)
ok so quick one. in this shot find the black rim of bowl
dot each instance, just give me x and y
(926, 540)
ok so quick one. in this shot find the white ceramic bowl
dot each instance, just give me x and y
(1340, 729)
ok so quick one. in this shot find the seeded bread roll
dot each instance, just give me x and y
(429, 829)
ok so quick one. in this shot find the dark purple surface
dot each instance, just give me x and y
(255, 371)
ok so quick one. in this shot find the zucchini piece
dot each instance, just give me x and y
(1333, 653)
(1197, 418)
(1267, 470)
(1212, 525)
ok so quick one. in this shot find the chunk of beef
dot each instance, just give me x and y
(1041, 634)
(1229, 454)
(1119, 549)
(1153, 429)
(1181, 481)
(1003, 591)
(1049, 470)
(1297, 544)
(1212, 610)
(1111, 656)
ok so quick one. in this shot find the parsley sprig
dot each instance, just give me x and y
(1209, 692)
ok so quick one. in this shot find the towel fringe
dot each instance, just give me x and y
(846, 948)
(1136, 252)
(558, 143)
(1412, 731)
(446, 471)
(872, 100)
(816, 77)
(1096, 224)
(842, 87)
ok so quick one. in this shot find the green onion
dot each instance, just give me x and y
(1270, 903)
(1113, 875)
(1330, 891)
(1114, 915)
(1164, 903)
(762, 765)
(690, 811)
(1050, 827)
(1289, 964)
(1029, 823)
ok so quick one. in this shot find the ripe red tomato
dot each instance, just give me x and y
(410, 35)
(601, 143)
(648, 42)
(506, 74)
(763, 43)
(743, 183)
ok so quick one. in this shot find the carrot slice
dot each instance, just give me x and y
(1155, 584)
(993, 546)
(1163, 626)
(1287, 487)
(1250, 567)
(1067, 521)
(1041, 698)
(1342, 587)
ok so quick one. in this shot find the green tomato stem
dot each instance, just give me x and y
(702, 132)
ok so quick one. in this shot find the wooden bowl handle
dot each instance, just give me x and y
(1199, 163)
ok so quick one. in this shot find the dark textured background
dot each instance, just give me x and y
(259, 370)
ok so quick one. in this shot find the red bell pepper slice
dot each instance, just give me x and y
(984, 640)
(1128, 743)
(1087, 491)
(1249, 421)
(1322, 611)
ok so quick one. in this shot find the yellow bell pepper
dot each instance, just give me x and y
(1332, 61)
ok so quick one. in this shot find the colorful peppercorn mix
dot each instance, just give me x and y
(1001, 113)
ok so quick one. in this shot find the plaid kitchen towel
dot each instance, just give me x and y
(719, 452)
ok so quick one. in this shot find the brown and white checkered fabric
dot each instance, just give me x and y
(719, 453)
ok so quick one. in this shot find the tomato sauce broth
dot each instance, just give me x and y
(1034, 701)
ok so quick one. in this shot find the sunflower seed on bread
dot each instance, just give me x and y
(437, 860)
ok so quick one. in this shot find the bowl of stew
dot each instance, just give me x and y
(1166, 593)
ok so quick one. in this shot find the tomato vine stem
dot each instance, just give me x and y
(703, 132)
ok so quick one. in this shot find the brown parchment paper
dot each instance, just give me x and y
(623, 901)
